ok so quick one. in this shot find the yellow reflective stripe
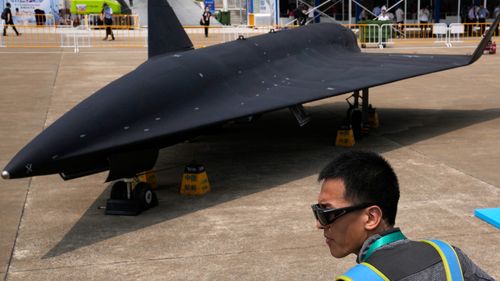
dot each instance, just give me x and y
(376, 271)
(343, 278)
(443, 258)
(362, 272)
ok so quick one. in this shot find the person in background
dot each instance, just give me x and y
(300, 16)
(424, 21)
(471, 19)
(356, 210)
(8, 21)
(383, 14)
(297, 15)
(304, 15)
(496, 13)
(390, 15)
(333, 11)
(463, 13)
(400, 17)
(376, 11)
(482, 15)
(291, 13)
(363, 15)
(205, 19)
(107, 15)
(310, 15)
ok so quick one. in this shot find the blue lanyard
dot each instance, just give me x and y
(384, 240)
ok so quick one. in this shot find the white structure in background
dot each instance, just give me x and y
(188, 12)
(140, 8)
(263, 12)
(23, 10)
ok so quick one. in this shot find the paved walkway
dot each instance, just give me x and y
(439, 131)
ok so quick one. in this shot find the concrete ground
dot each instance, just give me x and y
(439, 131)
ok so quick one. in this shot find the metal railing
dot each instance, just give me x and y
(47, 36)
(382, 35)
(31, 36)
(124, 37)
(95, 21)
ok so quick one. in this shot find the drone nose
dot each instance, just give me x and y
(5, 175)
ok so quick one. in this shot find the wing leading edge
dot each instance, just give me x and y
(273, 74)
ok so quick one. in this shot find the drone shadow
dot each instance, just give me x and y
(244, 159)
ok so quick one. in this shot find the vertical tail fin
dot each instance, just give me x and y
(482, 45)
(165, 32)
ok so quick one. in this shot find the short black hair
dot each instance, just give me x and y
(8, 4)
(368, 178)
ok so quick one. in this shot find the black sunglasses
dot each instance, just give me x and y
(327, 216)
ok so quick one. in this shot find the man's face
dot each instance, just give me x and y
(346, 234)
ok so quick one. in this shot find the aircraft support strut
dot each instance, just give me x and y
(358, 114)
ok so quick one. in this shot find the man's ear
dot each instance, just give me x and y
(373, 217)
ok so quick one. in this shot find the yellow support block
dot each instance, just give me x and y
(345, 137)
(251, 19)
(194, 180)
(150, 178)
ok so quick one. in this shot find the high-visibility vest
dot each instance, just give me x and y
(367, 272)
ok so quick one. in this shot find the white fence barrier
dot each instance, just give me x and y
(381, 35)
(128, 37)
(440, 31)
(455, 31)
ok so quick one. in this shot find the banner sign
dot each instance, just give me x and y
(23, 10)
(211, 4)
(29, 6)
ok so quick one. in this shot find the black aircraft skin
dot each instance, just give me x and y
(180, 91)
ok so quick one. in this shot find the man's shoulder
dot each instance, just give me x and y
(412, 248)
(410, 260)
(469, 269)
(404, 258)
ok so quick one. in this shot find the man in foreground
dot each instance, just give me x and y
(357, 209)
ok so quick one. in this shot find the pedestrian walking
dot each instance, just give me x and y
(107, 15)
(8, 21)
(205, 19)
